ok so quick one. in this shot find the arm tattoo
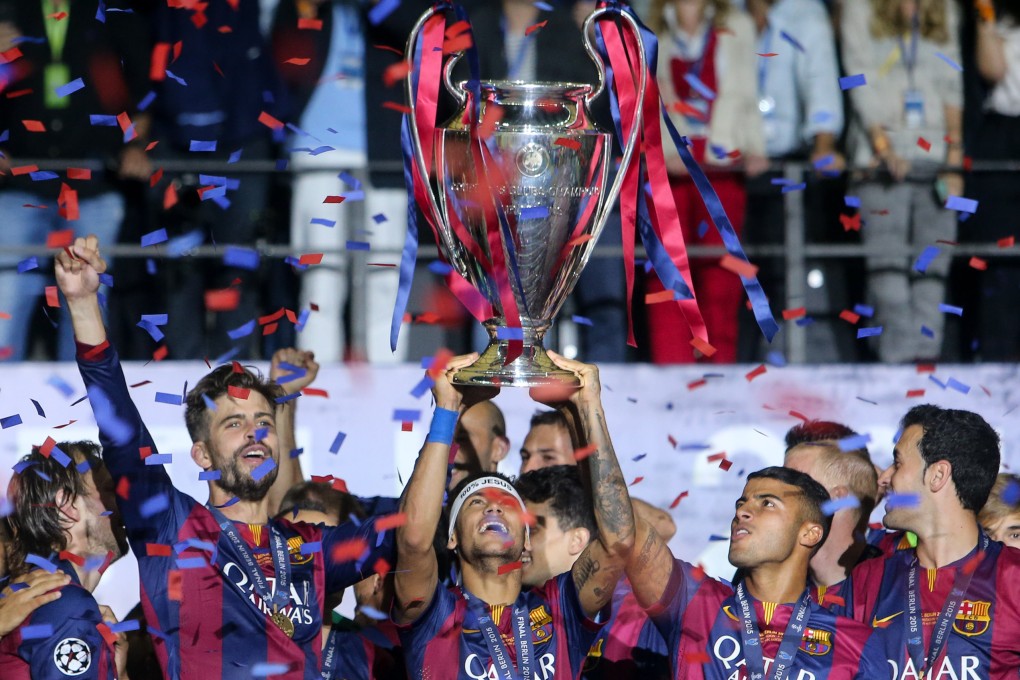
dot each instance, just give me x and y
(585, 568)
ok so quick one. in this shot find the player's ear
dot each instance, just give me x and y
(841, 491)
(452, 543)
(811, 534)
(939, 474)
(579, 540)
(200, 454)
(500, 447)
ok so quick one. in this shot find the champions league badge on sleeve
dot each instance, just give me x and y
(72, 656)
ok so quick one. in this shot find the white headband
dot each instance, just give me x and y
(476, 486)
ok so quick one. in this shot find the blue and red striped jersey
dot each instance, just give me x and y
(699, 618)
(444, 643)
(197, 598)
(59, 639)
(984, 640)
(371, 653)
(629, 646)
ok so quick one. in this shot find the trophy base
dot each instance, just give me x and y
(533, 368)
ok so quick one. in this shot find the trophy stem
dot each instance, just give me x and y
(532, 368)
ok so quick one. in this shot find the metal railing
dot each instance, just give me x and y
(795, 252)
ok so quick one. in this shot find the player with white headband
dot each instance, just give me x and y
(487, 627)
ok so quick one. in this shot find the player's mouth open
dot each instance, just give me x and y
(493, 525)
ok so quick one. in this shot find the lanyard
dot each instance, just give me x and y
(497, 649)
(56, 29)
(329, 659)
(281, 563)
(940, 636)
(753, 656)
(910, 58)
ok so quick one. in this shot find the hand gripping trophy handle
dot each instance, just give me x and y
(548, 170)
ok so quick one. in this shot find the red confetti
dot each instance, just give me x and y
(399, 108)
(347, 551)
(739, 267)
(661, 296)
(535, 27)
(751, 375)
(175, 585)
(717, 456)
(439, 362)
(310, 24)
(851, 222)
(695, 384)
(60, 239)
(790, 314)
(123, 487)
(925, 368)
(10, 55)
(70, 556)
(333, 199)
(508, 567)
(34, 125)
(155, 177)
(79, 173)
(144, 452)
(297, 61)
(269, 121)
(108, 635)
(241, 393)
(310, 258)
(24, 170)
(584, 238)
(270, 329)
(158, 550)
(913, 394)
(569, 143)
(160, 353)
(19, 93)
(314, 392)
(52, 300)
(672, 440)
(725, 465)
(849, 317)
(222, 299)
(978, 263)
(637, 480)
(407, 426)
(1007, 242)
(395, 72)
(585, 451)
(397, 519)
(924, 143)
(702, 346)
(47, 447)
(676, 501)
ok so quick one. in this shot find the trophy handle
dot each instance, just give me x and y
(628, 151)
(456, 90)
(419, 157)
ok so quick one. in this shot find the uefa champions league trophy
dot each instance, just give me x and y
(534, 187)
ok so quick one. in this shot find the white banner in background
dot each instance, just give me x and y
(664, 423)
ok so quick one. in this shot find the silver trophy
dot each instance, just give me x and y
(540, 184)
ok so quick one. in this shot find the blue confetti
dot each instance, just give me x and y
(154, 505)
(41, 562)
(582, 320)
(242, 258)
(423, 386)
(794, 187)
(439, 267)
(10, 421)
(125, 626)
(864, 310)
(638, 457)
(850, 82)
(950, 309)
(38, 408)
(147, 101)
(168, 398)
(287, 397)
(539, 212)
(406, 415)
(338, 442)
(73, 86)
(151, 329)
(854, 442)
(869, 332)
(61, 457)
(199, 145)
(833, 506)
(937, 381)
(507, 333)
(235, 156)
(100, 120)
(378, 218)
(776, 359)
(38, 631)
(154, 237)
(311, 547)
(322, 221)
(190, 562)
(925, 259)
(296, 452)
(702, 89)
(381, 10)
(702, 228)
(901, 500)
(264, 669)
(261, 433)
(159, 459)
(852, 201)
(953, 64)
(43, 175)
(358, 245)
(966, 205)
(28, 264)
(263, 469)
(208, 475)
(544, 6)
(960, 387)
(242, 331)
(927, 332)
(790, 39)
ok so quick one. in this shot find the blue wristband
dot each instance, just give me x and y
(443, 423)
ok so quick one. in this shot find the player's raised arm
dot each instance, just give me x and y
(417, 572)
(293, 370)
(598, 569)
(78, 269)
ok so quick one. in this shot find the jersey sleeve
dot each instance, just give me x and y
(581, 631)
(415, 636)
(75, 646)
(152, 508)
(668, 612)
(352, 550)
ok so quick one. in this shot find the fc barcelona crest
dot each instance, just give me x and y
(816, 642)
(541, 625)
(972, 618)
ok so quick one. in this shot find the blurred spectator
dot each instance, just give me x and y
(219, 81)
(911, 93)
(802, 109)
(1000, 516)
(706, 76)
(45, 117)
(997, 138)
(555, 53)
(333, 91)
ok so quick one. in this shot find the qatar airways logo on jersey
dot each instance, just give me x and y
(474, 667)
(298, 612)
(728, 652)
(959, 668)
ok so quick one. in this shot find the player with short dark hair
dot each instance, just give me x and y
(227, 590)
(767, 625)
(64, 521)
(489, 626)
(950, 605)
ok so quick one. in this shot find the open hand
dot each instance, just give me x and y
(16, 605)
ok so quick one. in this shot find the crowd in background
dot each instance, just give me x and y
(882, 100)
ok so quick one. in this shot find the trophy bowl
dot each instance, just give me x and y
(519, 198)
